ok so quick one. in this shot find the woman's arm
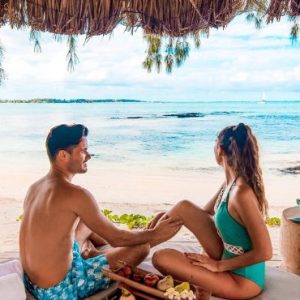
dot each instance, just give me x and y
(210, 205)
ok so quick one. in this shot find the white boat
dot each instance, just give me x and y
(263, 99)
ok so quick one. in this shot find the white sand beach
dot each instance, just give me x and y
(125, 192)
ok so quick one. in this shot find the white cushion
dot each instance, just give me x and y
(12, 266)
(12, 287)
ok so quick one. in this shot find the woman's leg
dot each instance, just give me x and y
(200, 223)
(223, 284)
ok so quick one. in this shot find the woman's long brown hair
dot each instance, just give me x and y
(242, 153)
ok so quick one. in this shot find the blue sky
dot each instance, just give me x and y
(237, 63)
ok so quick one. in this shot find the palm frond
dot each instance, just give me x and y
(294, 34)
(158, 62)
(72, 56)
(197, 41)
(35, 38)
(169, 62)
(58, 37)
(148, 63)
(250, 17)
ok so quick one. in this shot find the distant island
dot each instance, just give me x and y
(37, 100)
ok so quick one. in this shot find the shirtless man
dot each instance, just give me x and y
(55, 210)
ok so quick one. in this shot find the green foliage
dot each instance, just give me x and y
(294, 34)
(131, 220)
(168, 51)
(298, 201)
(273, 221)
(72, 56)
(19, 218)
(35, 37)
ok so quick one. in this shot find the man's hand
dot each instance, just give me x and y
(154, 221)
(165, 228)
(204, 261)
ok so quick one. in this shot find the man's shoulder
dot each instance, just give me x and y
(34, 186)
(77, 191)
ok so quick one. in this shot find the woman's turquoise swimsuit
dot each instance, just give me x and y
(236, 242)
(83, 279)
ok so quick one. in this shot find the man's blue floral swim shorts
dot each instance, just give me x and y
(84, 279)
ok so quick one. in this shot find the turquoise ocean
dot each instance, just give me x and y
(166, 136)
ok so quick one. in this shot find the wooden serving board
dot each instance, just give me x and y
(135, 285)
(137, 293)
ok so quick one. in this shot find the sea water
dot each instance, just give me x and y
(168, 136)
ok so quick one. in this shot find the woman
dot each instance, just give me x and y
(230, 228)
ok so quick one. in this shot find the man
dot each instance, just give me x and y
(55, 210)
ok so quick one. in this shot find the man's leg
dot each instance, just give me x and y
(132, 256)
(116, 257)
(88, 241)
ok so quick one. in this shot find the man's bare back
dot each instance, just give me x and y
(55, 208)
(47, 233)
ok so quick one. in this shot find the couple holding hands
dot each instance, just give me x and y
(65, 240)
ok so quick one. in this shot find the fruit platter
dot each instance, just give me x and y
(162, 287)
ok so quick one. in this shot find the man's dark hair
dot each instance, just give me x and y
(62, 137)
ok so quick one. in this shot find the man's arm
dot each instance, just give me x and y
(85, 207)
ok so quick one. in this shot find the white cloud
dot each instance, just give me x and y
(235, 63)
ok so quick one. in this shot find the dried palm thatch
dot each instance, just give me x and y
(278, 8)
(161, 17)
(97, 17)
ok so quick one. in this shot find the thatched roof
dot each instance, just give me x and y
(278, 8)
(100, 17)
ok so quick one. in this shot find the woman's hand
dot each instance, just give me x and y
(204, 261)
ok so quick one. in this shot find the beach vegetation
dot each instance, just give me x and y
(167, 51)
(133, 221)
(273, 221)
(138, 221)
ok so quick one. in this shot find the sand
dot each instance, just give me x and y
(10, 209)
(144, 190)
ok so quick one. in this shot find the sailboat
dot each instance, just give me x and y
(263, 99)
